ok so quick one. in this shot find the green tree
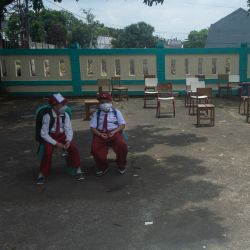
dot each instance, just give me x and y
(37, 31)
(81, 35)
(13, 29)
(22, 8)
(139, 35)
(151, 2)
(54, 26)
(196, 39)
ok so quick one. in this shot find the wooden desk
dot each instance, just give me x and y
(89, 103)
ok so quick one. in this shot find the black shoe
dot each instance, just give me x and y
(40, 180)
(80, 177)
(122, 171)
(102, 172)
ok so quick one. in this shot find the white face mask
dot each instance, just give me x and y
(62, 109)
(105, 106)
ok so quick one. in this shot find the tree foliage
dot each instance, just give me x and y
(151, 2)
(196, 39)
(139, 35)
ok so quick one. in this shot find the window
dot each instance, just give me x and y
(131, 67)
(145, 67)
(3, 71)
(228, 66)
(104, 68)
(200, 65)
(62, 68)
(46, 68)
(18, 68)
(90, 70)
(214, 65)
(32, 67)
(117, 67)
(3, 68)
(186, 66)
(173, 66)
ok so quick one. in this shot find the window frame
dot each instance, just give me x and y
(131, 67)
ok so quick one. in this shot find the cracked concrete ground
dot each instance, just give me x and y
(185, 188)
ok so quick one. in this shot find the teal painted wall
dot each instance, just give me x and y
(160, 54)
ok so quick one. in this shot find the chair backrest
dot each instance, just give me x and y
(223, 77)
(151, 82)
(191, 81)
(201, 77)
(165, 89)
(103, 85)
(115, 81)
(234, 78)
(149, 76)
(197, 84)
(204, 91)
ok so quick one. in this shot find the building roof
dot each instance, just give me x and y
(230, 31)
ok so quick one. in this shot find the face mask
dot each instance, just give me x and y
(62, 109)
(105, 106)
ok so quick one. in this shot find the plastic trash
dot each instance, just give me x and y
(148, 223)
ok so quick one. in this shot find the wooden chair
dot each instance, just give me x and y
(89, 103)
(191, 85)
(150, 88)
(203, 95)
(224, 85)
(244, 98)
(104, 85)
(165, 94)
(200, 77)
(248, 109)
(117, 89)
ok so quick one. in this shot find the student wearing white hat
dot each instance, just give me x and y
(60, 135)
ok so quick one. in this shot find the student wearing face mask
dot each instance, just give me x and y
(106, 125)
(59, 135)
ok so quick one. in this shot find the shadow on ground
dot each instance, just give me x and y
(170, 191)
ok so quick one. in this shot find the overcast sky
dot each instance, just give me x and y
(172, 19)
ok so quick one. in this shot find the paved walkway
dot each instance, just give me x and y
(185, 188)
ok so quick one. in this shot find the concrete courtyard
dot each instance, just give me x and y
(186, 188)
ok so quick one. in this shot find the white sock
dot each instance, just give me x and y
(40, 175)
(78, 170)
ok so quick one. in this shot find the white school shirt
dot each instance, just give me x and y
(112, 120)
(65, 127)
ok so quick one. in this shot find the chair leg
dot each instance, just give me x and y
(239, 106)
(158, 109)
(247, 111)
(174, 108)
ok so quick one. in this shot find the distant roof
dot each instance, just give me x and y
(230, 31)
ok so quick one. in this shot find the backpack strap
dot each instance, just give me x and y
(98, 112)
(52, 119)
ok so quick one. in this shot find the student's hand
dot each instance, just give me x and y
(66, 145)
(59, 145)
(104, 136)
(112, 133)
